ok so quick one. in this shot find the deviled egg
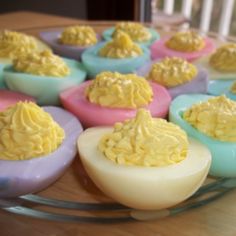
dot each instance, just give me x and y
(121, 55)
(211, 120)
(114, 97)
(36, 146)
(43, 75)
(71, 41)
(144, 163)
(188, 45)
(177, 75)
(221, 66)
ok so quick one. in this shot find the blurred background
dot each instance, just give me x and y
(159, 12)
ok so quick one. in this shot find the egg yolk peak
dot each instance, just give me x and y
(215, 118)
(78, 36)
(112, 89)
(121, 47)
(171, 72)
(186, 42)
(145, 141)
(27, 131)
(41, 63)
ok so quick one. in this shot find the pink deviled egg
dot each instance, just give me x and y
(114, 97)
(188, 45)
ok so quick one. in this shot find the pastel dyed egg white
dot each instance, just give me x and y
(75, 101)
(45, 89)
(199, 84)
(95, 64)
(69, 51)
(160, 50)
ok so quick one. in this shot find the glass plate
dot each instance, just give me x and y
(75, 198)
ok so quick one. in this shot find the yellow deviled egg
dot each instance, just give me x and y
(144, 163)
(221, 66)
(222, 63)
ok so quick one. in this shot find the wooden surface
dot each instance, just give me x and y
(217, 218)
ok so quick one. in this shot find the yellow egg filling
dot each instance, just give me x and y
(120, 47)
(112, 89)
(224, 59)
(79, 36)
(27, 131)
(233, 88)
(145, 141)
(186, 42)
(136, 31)
(171, 72)
(41, 63)
(215, 118)
(14, 44)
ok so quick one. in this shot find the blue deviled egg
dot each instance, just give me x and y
(211, 120)
(13, 44)
(121, 55)
(137, 32)
(43, 76)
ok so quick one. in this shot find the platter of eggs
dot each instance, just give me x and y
(107, 144)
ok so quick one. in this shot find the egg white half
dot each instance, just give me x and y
(147, 188)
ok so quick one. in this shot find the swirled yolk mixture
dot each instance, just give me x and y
(136, 31)
(119, 90)
(13, 44)
(121, 47)
(224, 59)
(78, 36)
(215, 118)
(145, 141)
(186, 42)
(26, 131)
(233, 88)
(171, 72)
(41, 63)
